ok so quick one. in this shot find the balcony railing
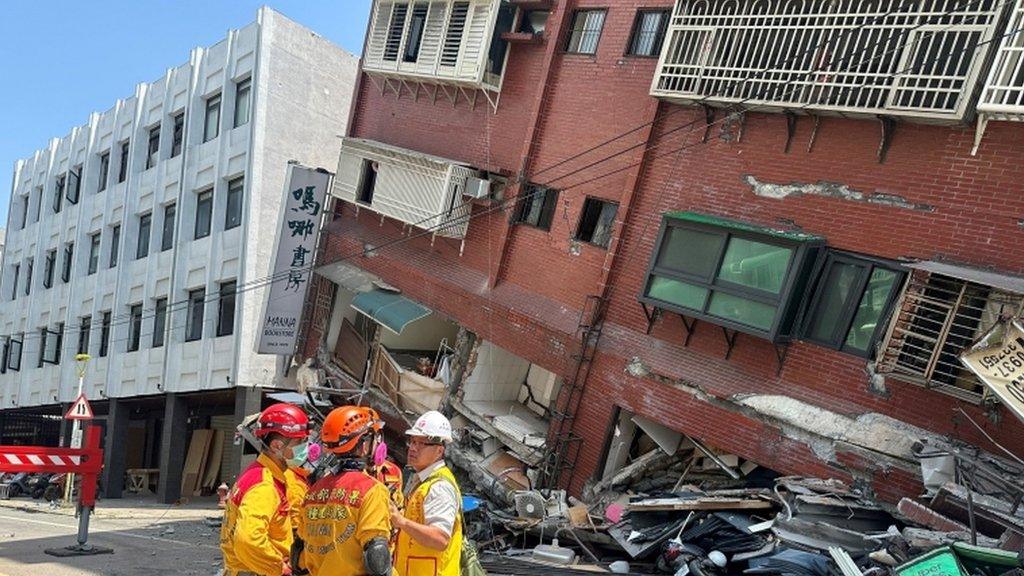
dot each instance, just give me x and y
(423, 191)
(889, 57)
(1003, 96)
(454, 42)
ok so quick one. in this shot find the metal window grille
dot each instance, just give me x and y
(649, 32)
(1003, 96)
(892, 56)
(586, 31)
(938, 317)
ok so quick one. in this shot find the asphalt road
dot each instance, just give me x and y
(142, 546)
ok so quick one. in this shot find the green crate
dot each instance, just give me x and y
(939, 562)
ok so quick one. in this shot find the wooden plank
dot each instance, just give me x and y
(194, 460)
(203, 461)
(700, 504)
(213, 462)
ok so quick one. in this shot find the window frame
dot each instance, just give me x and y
(849, 312)
(177, 133)
(74, 185)
(29, 265)
(58, 193)
(159, 322)
(659, 38)
(134, 327)
(84, 334)
(208, 192)
(104, 350)
(246, 85)
(167, 239)
(223, 297)
(15, 279)
(95, 243)
(787, 303)
(14, 360)
(546, 216)
(49, 268)
(153, 147)
(122, 169)
(69, 262)
(571, 32)
(236, 186)
(143, 240)
(196, 303)
(583, 212)
(213, 103)
(115, 245)
(104, 171)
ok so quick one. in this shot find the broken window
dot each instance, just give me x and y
(49, 265)
(177, 134)
(596, 221)
(586, 31)
(851, 303)
(535, 206)
(730, 273)
(937, 318)
(29, 262)
(69, 255)
(648, 32)
(367, 182)
(58, 194)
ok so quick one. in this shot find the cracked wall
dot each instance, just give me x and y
(831, 190)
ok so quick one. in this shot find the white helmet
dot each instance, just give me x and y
(432, 425)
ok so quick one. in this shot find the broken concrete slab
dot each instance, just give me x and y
(920, 514)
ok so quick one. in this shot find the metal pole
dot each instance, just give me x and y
(83, 526)
(76, 428)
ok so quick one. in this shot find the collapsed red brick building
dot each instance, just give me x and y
(769, 227)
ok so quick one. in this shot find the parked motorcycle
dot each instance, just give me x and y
(19, 485)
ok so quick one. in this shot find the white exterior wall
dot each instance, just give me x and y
(302, 88)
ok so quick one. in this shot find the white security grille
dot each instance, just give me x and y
(421, 190)
(894, 57)
(1003, 97)
(453, 36)
(938, 317)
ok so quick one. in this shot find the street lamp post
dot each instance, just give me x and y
(81, 360)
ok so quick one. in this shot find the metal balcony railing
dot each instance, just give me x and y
(885, 57)
(454, 42)
(1003, 95)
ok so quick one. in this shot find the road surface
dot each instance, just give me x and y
(155, 544)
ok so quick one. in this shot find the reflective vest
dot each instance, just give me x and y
(341, 514)
(414, 559)
(256, 535)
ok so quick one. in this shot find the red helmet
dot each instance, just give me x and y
(288, 420)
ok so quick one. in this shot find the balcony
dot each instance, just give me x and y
(1003, 95)
(916, 60)
(423, 191)
(440, 43)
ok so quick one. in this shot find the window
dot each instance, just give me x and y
(730, 273)
(14, 354)
(648, 32)
(367, 182)
(14, 281)
(153, 150)
(24, 212)
(74, 184)
(115, 245)
(50, 344)
(159, 322)
(29, 262)
(415, 37)
(243, 101)
(233, 217)
(134, 327)
(145, 224)
(395, 27)
(42, 347)
(167, 234)
(586, 31)
(69, 255)
(94, 253)
(536, 206)
(194, 322)
(226, 309)
(204, 212)
(104, 171)
(39, 204)
(596, 221)
(851, 303)
(84, 330)
(105, 334)
(49, 265)
(177, 134)
(122, 170)
(211, 128)
(58, 193)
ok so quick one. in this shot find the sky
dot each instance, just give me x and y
(61, 60)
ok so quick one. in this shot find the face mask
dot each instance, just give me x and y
(313, 454)
(299, 454)
(380, 453)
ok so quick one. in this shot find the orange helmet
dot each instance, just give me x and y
(345, 427)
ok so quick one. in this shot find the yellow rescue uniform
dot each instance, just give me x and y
(341, 514)
(414, 559)
(297, 487)
(256, 535)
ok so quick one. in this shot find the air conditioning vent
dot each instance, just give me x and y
(478, 188)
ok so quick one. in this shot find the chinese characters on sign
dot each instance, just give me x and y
(300, 223)
(999, 363)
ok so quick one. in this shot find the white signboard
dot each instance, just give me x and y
(999, 363)
(305, 195)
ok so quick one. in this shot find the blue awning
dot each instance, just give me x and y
(389, 309)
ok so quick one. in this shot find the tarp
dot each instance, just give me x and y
(389, 309)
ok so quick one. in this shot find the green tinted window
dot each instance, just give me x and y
(741, 310)
(755, 265)
(836, 291)
(691, 251)
(678, 293)
(872, 305)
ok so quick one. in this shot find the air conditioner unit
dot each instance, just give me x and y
(478, 188)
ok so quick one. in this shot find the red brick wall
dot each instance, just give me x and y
(965, 208)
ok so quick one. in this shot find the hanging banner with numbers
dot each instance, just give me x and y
(997, 358)
(305, 194)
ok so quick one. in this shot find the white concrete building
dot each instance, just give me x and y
(128, 238)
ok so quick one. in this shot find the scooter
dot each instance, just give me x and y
(37, 484)
(55, 489)
(19, 485)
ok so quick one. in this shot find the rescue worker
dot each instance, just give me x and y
(345, 522)
(430, 530)
(256, 535)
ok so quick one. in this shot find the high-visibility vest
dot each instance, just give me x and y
(414, 559)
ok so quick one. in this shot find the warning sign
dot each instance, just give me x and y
(998, 360)
(80, 410)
